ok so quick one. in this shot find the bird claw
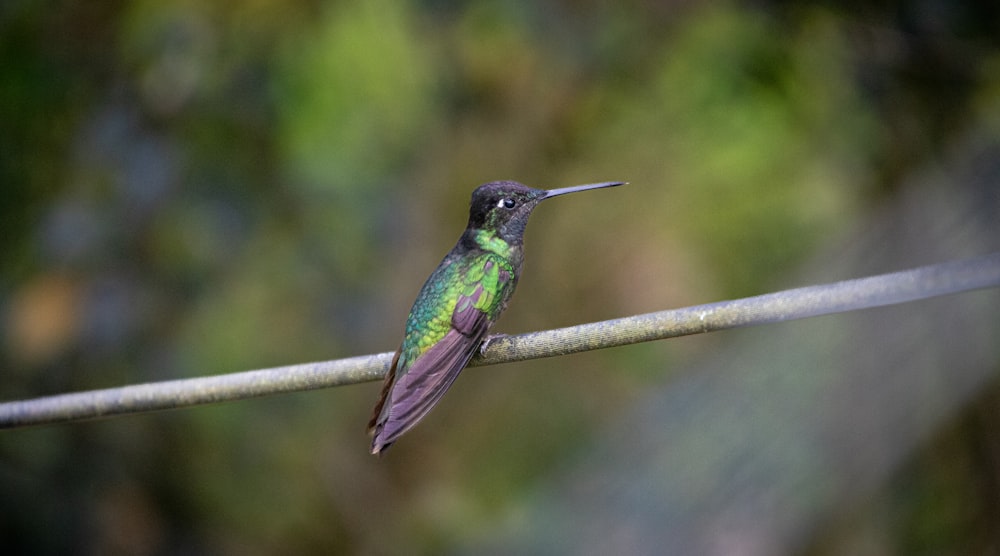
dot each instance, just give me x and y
(489, 340)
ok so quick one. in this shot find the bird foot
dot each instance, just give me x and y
(489, 340)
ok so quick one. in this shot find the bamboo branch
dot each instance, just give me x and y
(886, 289)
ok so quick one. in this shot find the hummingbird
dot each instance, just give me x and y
(458, 304)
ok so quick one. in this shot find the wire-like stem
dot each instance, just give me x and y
(849, 295)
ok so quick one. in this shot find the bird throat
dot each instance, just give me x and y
(488, 240)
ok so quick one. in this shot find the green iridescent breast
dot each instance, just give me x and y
(483, 281)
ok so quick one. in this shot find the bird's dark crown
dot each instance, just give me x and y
(503, 207)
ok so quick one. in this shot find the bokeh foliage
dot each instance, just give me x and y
(197, 187)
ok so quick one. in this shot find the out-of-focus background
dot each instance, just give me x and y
(193, 188)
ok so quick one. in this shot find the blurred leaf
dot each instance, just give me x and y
(355, 91)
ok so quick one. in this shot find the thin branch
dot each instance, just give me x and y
(886, 289)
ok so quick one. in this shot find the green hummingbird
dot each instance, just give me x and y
(458, 304)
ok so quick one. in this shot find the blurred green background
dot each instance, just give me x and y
(193, 188)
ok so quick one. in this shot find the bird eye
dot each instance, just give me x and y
(507, 203)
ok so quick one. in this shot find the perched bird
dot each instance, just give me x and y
(458, 304)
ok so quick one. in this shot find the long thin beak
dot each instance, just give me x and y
(575, 188)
